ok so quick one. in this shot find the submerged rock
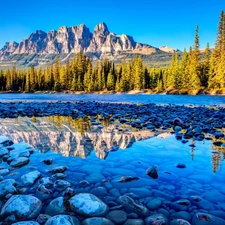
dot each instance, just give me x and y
(156, 219)
(153, 172)
(7, 187)
(58, 169)
(124, 179)
(97, 221)
(88, 205)
(131, 206)
(31, 177)
(206, 219)
(63, 219)
(117, 216)
(26, 223)
(21, 161)
(56, 207)
(22, 206)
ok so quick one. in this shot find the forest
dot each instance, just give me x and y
(195, 72)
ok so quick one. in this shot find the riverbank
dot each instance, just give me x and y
(144, 91)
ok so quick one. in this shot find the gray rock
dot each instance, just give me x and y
(141, 192)
(117, 216)
(131, 206)
(7, 187)
(206, 219)
(181, 205)
(179, 222)
(156, 219)
(31, 177)
(47, 181)
(201, 203)
(56, 207)
(154, 204)
(88, 205)
(42, 218)
(95, 178)
(57, 169)
(181, 215)
(3, 151)
(22, 206)
(4, 172)
(97, 221)
(134, 222)
(61, 185)
(63, 219)
(21, 161)
(26, 223)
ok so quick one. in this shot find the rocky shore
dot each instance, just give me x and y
(38, 189)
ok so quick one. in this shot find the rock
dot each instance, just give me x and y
(125, 179)
(3, 152)
(201, 203)
(42, 218)
(22, 206)
(213, 196)
(131, 206)
(88, 205)
(56, 207)
(59, 175)
(46, 181)
(95, 178)
(206, 219)
(181, 215)
(48, 161)
(7, 187)
(69, 192)
(21, 161)
(165, 195)
(141, 192)
(4, 172)
(97, 221)
(154, 204)
(62, 220)
(99, 191)
(43, 193)
(57, 169)
(26, 223)
(7, 143)
(181, 205)
(179, 222)
(153, 172)
(31, 177)
(117, 216)
(134, 222)
(181, 165)
(61, 185)
(158, 219)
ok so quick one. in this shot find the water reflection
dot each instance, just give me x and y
(71, 137)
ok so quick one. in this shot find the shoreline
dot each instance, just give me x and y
(133, 92)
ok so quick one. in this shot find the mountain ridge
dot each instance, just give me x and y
(71, 40)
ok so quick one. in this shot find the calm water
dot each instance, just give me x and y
(87, 151)
(131, 98)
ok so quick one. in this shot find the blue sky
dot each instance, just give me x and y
(154, 22)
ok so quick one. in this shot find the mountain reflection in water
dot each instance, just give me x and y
(70, 137)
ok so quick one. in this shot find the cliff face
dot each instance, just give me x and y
(68, 40)
(45, 136)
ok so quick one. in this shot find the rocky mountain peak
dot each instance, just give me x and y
(166, 48)
(101, 29)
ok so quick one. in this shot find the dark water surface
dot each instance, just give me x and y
(128, 98)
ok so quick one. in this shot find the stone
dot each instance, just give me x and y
(3, 152)
(7, 187)
(31, 177)
(132, 207)
(26, 223)
(181, 205)
(95, 178)
(154, 204)
(97, 221)
(117, 216)
(179, 222)
(55, 207)
(181, 215)
(61, 185)
(158, 219)
(125, 179)
(153, 172)
(20, 161)
(48, 161)
(4, 172)
(141, 192)
(46, 181)
(201, 203)
(57, 169)
(63, 219)
(42, 218)
(22, 206)
(134, 222)
(206, 219)
(88, 205)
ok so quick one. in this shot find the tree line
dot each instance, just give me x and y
(193, 72)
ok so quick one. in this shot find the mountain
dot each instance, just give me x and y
(41, 48)
(168, 49)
